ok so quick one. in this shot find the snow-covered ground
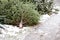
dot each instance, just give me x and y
(28, 33)
(49, 30)
(14, 33)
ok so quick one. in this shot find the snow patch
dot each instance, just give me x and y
(43, 18)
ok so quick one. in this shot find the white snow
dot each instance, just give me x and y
(14, 33)
(43, 18)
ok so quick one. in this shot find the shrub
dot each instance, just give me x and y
(42, 6)
(14, 11)
(45, 6)
(30, 15)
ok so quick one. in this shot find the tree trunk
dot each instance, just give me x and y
(21, 24)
